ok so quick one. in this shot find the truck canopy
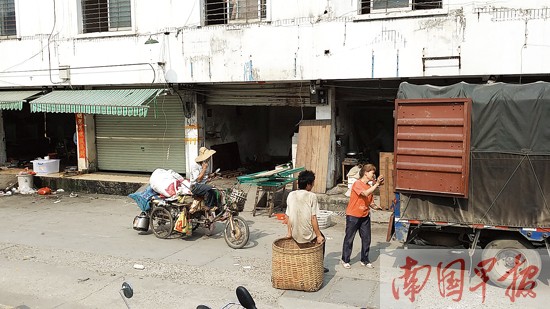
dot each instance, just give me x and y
(509, 182)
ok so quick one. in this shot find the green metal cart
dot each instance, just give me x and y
(270, 182)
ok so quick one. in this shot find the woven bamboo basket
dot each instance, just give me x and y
(297, 266)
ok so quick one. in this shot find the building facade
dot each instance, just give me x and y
(240, 75)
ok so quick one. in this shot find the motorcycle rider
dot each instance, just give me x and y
(201, 170)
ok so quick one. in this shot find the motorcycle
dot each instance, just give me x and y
(244, 297)
(164, 213)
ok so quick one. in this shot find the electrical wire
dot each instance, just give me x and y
(49, 55)
(301, 106)
(93, 67)
(49, 42)
(85, 67)
(187, 112)
(284, 22)
(165, 129)
(190, 13)
(14, 84)
(23, 61)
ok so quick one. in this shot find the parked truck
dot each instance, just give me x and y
(472, 169)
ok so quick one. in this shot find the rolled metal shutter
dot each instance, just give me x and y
(259, 95)
(142, 144)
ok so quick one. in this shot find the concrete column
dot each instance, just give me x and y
(323, 112)
(194, 133)
(86, 146)
(3, 155)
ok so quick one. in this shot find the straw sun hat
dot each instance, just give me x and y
(204, 154)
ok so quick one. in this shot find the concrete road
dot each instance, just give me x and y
(75, 252)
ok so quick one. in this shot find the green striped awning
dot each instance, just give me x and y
(118, 102)
(14, 99)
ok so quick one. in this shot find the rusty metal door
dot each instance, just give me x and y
(432, 146)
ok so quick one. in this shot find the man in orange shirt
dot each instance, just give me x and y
(357, 215)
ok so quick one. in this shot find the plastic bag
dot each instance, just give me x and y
(183, 225)
(142, 198)
(44, 191)
(165, 182)
(184, 188)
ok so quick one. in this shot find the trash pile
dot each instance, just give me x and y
(25, 185)
(10, 189)
(24, 179)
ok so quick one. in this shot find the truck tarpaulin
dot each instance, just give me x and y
(509, 182)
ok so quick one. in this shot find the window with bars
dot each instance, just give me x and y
(106, 15)
(219, 12)
(372, 6)
(426, 4)
(8, 25)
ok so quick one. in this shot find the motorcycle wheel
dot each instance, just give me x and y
(238, 237)
(162, 222)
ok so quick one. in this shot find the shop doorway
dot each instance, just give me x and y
(36, 135)
(253, 138)
(364, 121)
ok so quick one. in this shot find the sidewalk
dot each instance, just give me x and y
(67, 252)
(124, 184)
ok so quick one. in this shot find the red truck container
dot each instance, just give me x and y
(472, 166)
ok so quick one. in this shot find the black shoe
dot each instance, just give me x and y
(325, 269)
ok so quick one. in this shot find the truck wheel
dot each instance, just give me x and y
(505, 252)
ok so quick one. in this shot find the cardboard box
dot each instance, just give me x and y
(42, 167)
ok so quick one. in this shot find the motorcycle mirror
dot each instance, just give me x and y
(127, 290)
(245, 298)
